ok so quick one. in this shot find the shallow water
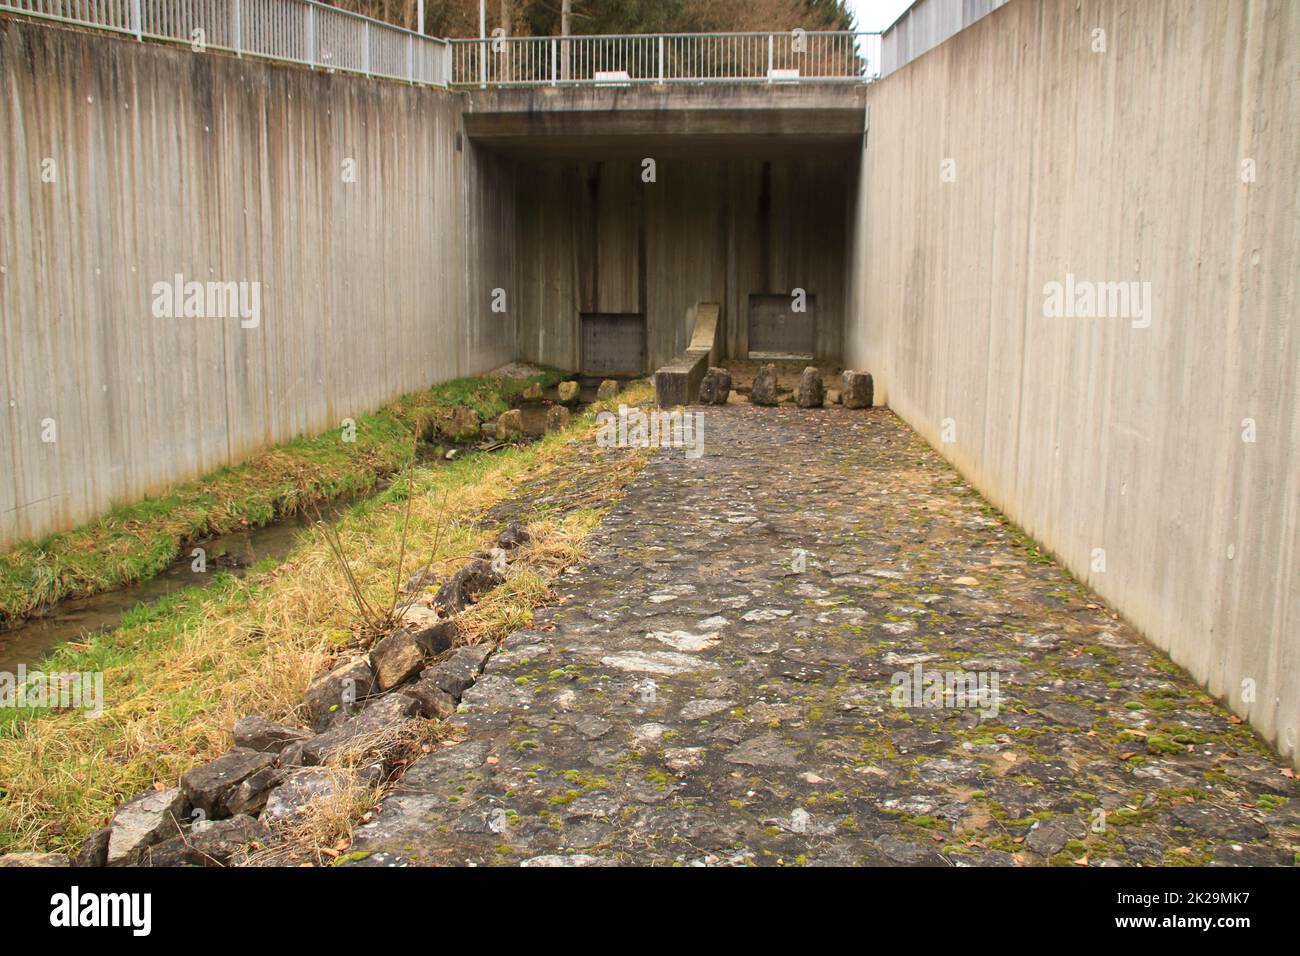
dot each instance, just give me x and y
(232, 553)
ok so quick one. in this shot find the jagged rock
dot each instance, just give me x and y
(438, 638)
(94, 849)
(460, 424)
(144, 821)
(260, 734)
(301, 787)
(387, 713)
(764, 389)
(467, 585)
(396, 658)
(510, 424)
(715, 387)
(569, 393)
(332, 697)
(514, 536)
(208, 843)
(431, 700)
(812, 394)
(557, 418)
(533, 393)
(250, 796)
(36, 859)
(1218, 823)
(608, 389)
(1050, 836)
(207, 786)
(857, 389)
(833, 396)
(459, 671)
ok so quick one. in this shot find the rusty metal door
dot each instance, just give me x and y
(777, 331)
(613, 343)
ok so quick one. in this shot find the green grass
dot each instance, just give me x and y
(137, 541)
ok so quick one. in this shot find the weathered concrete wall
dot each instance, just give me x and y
(168, 162)
(712, 230)
(1122, 165)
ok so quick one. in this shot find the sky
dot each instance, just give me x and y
(875, 15)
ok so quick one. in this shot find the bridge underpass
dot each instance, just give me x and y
(631, 205)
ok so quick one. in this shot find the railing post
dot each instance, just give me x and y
(311, 34)
(554, 59)
(136, 26)
(661, 58)
(769, 57)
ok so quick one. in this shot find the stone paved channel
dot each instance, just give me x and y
(731, 679)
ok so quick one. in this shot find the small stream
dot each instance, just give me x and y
(233, 553)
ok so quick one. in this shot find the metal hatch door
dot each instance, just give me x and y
(613, 343)
(776, 331)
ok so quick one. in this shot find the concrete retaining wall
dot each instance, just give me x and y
(706, 230)
(1104, 440)
(161, 161)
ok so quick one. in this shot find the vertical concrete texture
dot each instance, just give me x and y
(376, 241)
(1169, 156)
(592, 236)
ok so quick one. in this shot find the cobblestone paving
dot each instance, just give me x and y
(696, 698)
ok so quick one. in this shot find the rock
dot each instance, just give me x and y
(36, 859)
(396, 658)
(1048, 837)
(94, 849)
(148, 819)
(1218, 823)
(510, 424)
(207, 786)
(431, 700)
(857, 389)
(608, 389)
(209, 843)
(569, 393)
(385, 714)
(459, 671)
(715, 387)
(250, 796)
(260, 734)
(833, 396)
(467, 585)
(557, 418)
(437, 638)
(812, 394)
(331, 698)
(460, 424)
(765, 751)
(302, 786)
(763, 391)
(514, 536)
(533, 393)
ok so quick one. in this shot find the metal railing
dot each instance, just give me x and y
(795, 57)
(295, 31)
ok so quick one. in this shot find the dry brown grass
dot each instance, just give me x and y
(178, 675)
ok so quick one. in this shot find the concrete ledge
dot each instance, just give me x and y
(678, 382)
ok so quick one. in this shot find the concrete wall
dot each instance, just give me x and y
(1123, 165)
(168, 162)
(711, 230)
(926, 24)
